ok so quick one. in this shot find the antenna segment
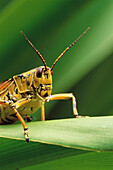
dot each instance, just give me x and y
(35, 50)
(68, 48)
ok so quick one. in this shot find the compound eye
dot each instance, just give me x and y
(52, 73)
(39, 72)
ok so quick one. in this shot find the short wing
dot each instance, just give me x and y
(5, 85)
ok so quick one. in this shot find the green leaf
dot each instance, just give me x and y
(85, 161)
(84, 133)
(15, 154)
(86, 70)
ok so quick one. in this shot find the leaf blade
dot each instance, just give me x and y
(86, 133)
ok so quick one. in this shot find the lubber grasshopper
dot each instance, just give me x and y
(25, 93)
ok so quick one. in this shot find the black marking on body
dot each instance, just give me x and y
(10, 120)
(31, 108)
(22, 109)
(33, 88)
(13, 100)
(20, 76)
(28, 83)
(41, 84)
(29, 93)
(46, 94)
(13, 115)
(44, 87)
(16, 90)
(8, 96)
(4, 121)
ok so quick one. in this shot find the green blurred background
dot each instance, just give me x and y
(85, 70)
(52, 25)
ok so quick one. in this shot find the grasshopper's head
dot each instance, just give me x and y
(43, 81)
(43, 74)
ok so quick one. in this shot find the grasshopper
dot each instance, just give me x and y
(25, 93)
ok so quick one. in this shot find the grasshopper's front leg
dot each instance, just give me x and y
(65, 96)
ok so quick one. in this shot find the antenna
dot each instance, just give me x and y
(35, 50)
(68, 48)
